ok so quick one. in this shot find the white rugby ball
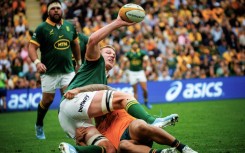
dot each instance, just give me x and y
(132, 13)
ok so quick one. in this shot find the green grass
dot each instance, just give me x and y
(208, 127)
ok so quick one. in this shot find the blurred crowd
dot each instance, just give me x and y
(184, 38)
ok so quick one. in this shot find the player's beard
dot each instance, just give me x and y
(56, 18)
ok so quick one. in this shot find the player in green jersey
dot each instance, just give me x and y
(57, 40)
(136, 73)
(83, 39)
(77, 108)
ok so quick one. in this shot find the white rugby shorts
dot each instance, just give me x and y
(50, 83)
(73, 113)
(136, 77)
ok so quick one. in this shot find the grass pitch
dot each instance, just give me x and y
(208, 127)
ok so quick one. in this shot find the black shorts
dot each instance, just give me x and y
(125, 135)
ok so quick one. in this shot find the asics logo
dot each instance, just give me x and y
(174, 91)
(194, 90)
(24, 100)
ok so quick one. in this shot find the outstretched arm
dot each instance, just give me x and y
(93, 51)
(93, 87)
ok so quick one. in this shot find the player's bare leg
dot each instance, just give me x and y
(47, 99)
(89, 140)
(131, 146)
(91, 136)
(143, 133)
(145, 94)
(105, 101)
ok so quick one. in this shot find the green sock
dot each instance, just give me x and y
(89, 149)
(136, 110)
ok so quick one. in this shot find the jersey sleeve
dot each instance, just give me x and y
(75, 34)
(85, 38)
(127, 54)
(37, 36)
(83, 41)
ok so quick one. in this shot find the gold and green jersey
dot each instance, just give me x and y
(83, 40)
(136, 59)
(55, 46)
(91, 72)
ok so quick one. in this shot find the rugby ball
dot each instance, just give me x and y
(132, 13)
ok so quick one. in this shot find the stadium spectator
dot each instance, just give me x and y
(164, 76)
(20, 27)
(13, 51)
(222, 48)
(27, 65)
(217, 33)
(3, 88)
(19, 5)
(56, 62)
(17, 66)
(24, 51)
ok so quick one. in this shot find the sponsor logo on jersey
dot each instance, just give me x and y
(136, 62)
(67, 28)
(51, 32)
(34, 35)
(194, 90)
(62, 44)
(86, 97)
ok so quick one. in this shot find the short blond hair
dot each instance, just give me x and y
(108, 46)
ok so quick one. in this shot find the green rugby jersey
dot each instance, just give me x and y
(83, 40)
(91, 72)
(136, 59)
(55, 46)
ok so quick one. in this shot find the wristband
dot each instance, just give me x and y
(79, 62)
(37, 61)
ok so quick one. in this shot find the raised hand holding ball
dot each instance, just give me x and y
(132, 13)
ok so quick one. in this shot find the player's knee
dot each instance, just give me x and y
(129, 97)
(45, 104)
(47, 101)
(124, 146)
(141, 126)
(109, 148)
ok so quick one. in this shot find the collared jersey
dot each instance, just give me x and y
(55, 46)
(91, 72)
(83, 40)
(136, 59)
